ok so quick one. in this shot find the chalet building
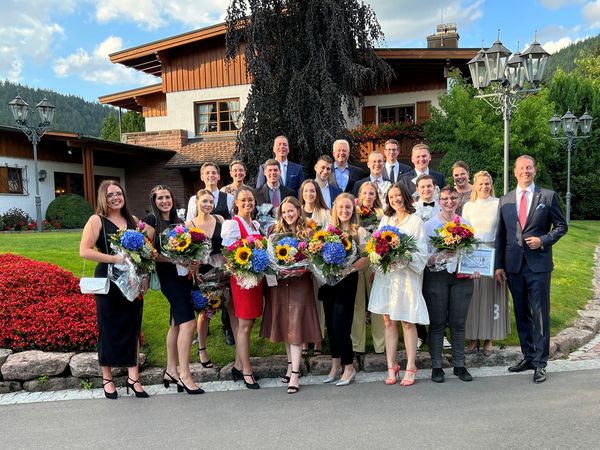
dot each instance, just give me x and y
(195, 107)
(72, 163)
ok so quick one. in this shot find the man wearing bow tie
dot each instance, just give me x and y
(421, 157)
(531, 221)
(393, 169)
(426, 207)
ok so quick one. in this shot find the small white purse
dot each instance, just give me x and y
(90, 285)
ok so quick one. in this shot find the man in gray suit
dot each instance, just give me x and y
(531, 221)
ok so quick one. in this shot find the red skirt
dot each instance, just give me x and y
(247, 303)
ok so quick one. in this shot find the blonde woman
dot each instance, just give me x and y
(489, 312)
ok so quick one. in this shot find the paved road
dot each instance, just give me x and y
(493, 412)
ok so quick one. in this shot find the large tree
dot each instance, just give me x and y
(131, 122)
(311, 62)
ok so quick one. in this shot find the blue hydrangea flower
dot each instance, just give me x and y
(259, 260)
(198, 300)
(292, 242)
(334, 253)
(132, 240)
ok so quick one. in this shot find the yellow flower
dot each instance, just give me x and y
(370, 248)
(448, 228)
(196, 230)
(319, 235)
(347, 244)
(388, 236)
(183, 244)
(282, 252)
(242, 255)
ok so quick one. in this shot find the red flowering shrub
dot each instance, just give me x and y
(41, 308)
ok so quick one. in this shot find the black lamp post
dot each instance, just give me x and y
(20, 110)
(570, 126)
(508, 75)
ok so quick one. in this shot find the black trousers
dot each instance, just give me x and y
(338, 303)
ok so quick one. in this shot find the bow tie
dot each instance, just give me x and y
(432, 204)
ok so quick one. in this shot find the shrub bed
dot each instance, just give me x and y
(41, 308)
(71, 210)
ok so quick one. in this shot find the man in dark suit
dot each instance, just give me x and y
(344, 175)
(323, 168)
(375, 164)
(530, 222)
(393, 169)
(292, 174)
(421, 157)
(273, 191)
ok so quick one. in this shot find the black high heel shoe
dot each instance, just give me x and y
(293, 389)
(208, 364)
(236, 374)
(285, 378)
(167, 382)
(138, 394)
(110, 395)
(254, 385)
(188, 390)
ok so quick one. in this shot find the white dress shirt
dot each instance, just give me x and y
(529, 197)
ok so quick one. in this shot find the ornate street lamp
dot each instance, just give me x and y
(20, 110)
(570, 125)
(508, 76)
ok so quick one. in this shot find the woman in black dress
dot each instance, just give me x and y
(119, 320)
(178, 291)
(211, 226)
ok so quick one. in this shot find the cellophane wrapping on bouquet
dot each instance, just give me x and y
(450, 240)
(210, 293)
(290, 255)
(265, 217)
(389, 249)
(331, 253)
(126, 276)
(184, 246)
(248, 260)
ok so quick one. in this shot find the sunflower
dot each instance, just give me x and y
(388, 236)
(183, 244)
(282, 252)
(347, 244)
(448, 228)
(242, 255)
(370, 248)
(319, 235)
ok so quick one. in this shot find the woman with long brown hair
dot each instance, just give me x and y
(119, 320)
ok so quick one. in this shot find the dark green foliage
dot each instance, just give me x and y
(308, 60)
(565, 58)
(131, 122)
(71, 210)
(15, 219)
(72, 113)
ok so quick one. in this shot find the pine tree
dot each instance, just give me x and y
(110, 128)
(309, 62)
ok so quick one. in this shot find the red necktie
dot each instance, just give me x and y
(523, 209)
(275, 199)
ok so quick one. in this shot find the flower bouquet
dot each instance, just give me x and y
(139, 255)
(450, 240)
(331, 253)
(210, 293)
(389, 249)
(368, 217)
(289, 254)
(184, 246)
(248, 260)
(265, 217)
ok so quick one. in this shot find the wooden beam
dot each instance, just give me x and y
(89, 187)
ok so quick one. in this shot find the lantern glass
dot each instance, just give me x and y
(19, 109)
(568, 122)
(496, 58)
(585, 122)
(535, 59)
(46, 112)
(554, 124)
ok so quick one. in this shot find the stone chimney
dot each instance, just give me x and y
(446, 36)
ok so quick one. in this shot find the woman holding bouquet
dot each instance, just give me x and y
(370, 213)
(447, 294)
(290, 314)
(397, 293)
(247, 303)
(177, 289)
(338, 300)
(119, 320)
(489, 314)
(211, 226)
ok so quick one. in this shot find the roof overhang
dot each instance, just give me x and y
(129, 99)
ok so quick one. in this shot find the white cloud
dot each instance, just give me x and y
(27, 31)
(591, 13)
(554, 46)
(419, 19)
(96, 66)
(153, 14)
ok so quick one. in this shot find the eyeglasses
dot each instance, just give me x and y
(449, 199)
(114, 194)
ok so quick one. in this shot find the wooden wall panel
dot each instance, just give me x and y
(154, 105)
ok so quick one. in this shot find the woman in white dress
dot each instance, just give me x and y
(489, 312)
(398, 294)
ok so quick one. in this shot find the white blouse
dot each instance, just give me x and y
(230, 231)
(483, 215)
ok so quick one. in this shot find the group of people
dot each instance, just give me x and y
(297, 311)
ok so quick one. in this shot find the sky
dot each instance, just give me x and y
(64, 45)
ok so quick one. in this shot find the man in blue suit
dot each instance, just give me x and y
(323, 168)
(530, 222)
(292, 174)
(344, 175)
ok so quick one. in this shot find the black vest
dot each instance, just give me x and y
(221, 207)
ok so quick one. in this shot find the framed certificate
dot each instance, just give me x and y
(479, 260)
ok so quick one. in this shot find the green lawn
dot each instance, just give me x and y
(571, 287)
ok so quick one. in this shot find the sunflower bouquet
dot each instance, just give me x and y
(248, 260)
(185, 245)
(331, 252)
(139, 255)
(450, 240)
(368, 217)
(389, 248)
(289, 254)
